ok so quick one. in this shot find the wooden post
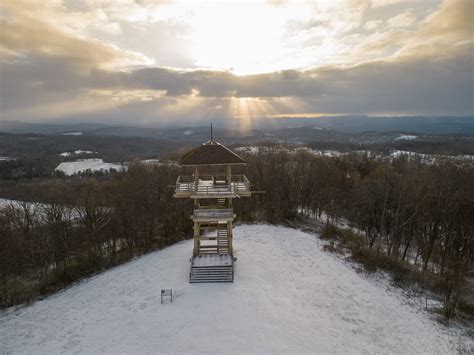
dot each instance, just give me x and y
(229, 176)
(196, 177)
(229, 237)
(197, 234)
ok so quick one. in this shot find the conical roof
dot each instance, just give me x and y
(211, 153)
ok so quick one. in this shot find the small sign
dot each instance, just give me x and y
(167, 292)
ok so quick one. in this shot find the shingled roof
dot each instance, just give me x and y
(211, 153)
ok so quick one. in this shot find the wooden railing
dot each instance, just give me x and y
(185, 185)
(213, 213)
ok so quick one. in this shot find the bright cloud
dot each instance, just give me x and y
(152, 61)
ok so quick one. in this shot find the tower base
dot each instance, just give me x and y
(212, 268)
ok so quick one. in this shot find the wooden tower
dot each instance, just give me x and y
(212, 188)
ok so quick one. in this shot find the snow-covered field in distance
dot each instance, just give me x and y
(424, 158)
(406, 137)
(94, 164)
(5, 202)
(72, 134)
(288, 296)
(76, 152)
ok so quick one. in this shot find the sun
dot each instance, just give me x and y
(242, 37)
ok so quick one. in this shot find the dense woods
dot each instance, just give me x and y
(86, 227)
(414, 219)
(411, 218)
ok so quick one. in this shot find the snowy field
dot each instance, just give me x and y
(424, 158)
(406, 137)
(5, 202)
(72, 134)
(76, 152)
(82, 165)
(288, 297)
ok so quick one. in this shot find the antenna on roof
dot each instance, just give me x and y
(211, 133)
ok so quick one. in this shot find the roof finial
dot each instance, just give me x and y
(211, 133)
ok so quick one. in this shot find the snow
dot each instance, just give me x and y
(323, 153)
(424, 158)
(150, 161)
(5, 202)
(406, 137)
(263, 150)
(212, 260)
(76, 152)
(81, 165)
(38, 210)
(34, 208)
(158, 162)
(250, 149)
(72, 134)
(7, 159)
(288, 296)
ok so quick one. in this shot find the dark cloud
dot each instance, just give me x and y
(43, 66)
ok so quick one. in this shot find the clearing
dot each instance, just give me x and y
(288, 296)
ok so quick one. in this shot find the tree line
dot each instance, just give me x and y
(416, 216)
(412, 217)
(85, 228)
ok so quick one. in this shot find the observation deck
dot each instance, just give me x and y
(212, 186)
(213, 214)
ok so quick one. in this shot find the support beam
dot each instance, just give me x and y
(229, 176)
(196, 177)
(229, 237)
(197, 234)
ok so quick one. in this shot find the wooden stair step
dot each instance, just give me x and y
(208, 281)
(212, 269)
(215, 268)
(211, 273)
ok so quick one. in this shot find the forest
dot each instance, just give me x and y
(413, 220)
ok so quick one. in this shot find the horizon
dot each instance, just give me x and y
(240, 65)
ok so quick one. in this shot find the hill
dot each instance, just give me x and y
(288, 296)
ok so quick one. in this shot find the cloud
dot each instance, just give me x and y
(404, 19)
(49, 72)
(372, 25)
(452, 23)
(26, 36)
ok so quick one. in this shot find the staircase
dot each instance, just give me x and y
(212, 268)
(222, 239)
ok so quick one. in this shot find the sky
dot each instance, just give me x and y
(155, 62)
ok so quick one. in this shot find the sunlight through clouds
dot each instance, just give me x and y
(157, 61)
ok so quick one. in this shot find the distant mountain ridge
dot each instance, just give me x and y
(441, 125)
(46, 128)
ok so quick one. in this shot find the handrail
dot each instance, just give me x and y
(211, 177)
(186, 184)
(215, 213)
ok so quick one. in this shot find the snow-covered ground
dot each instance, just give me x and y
(430, 158)
(76, 152)
(81, 165)
(158, 162)
(72, 134)
(406, 137)
(38, 211)
(288, 296)
(424, 158)
(4, 202)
